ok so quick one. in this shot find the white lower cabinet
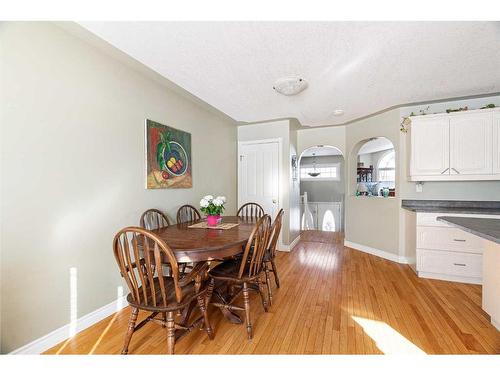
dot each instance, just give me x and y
(448, 253)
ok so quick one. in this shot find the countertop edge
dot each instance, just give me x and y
(486, 236)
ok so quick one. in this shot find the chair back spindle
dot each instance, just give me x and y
(138, 252)
(275, 233)
(255, 248)
(187, 213)
(154, 219)
(251, 210)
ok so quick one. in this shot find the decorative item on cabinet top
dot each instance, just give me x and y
(406, 121)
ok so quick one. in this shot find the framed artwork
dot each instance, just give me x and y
(168, 157)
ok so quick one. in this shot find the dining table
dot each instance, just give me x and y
(202, 246)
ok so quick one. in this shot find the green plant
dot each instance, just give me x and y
(212, 206)
(488, 106)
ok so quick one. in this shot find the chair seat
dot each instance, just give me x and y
(229, 269)
(188, 293)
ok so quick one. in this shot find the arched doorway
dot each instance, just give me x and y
(322, 189)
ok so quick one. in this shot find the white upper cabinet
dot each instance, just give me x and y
(430, 139)
(456, 146)
(471, 144)
(496, 142)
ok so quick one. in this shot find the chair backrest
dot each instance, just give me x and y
(154, 219)
(251, 210)
(139, 254)
(275, 233)
(187, 213)
(251, 262)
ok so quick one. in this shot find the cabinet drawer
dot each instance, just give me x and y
(449, 263)
(448, 239)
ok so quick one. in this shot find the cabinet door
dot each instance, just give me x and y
(471, 144)
(496, 142)
(430, 142)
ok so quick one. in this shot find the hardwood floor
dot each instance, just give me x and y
(332, 300)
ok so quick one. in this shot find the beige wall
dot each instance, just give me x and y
(372, 221)
(72, 123)
(328, 136)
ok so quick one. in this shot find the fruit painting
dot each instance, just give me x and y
(168, 157)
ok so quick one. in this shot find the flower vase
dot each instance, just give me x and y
(212, 220)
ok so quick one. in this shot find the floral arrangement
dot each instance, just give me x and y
(212, 206)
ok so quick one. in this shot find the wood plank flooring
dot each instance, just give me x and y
(333, 300)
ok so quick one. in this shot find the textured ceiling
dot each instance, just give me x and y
(360, 67)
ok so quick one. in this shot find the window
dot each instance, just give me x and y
(387, 167)
(326, 172)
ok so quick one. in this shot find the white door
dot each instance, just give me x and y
(259, 174)
(471, 144)
(496, 142)
(430, 141)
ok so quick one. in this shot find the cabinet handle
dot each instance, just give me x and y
(455, 170)
(456, 239)
(444, 170)
(459, 264)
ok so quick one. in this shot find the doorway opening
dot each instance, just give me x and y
(322, 189)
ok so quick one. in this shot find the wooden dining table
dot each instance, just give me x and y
(203, 245)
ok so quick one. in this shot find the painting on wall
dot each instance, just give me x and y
(168, 157)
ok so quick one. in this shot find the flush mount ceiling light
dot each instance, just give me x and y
(338, 112)
(290, 85)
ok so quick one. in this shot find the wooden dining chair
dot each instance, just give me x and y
(153, 219)
(137, 252)
(187, 213)
(251, 210)
(246, 273)
(270, 255)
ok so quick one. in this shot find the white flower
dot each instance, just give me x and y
(208, 197)
(204, 203)
(218, 202)
(221, 198)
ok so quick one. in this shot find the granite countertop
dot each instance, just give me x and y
(488, 229)
(448, 206)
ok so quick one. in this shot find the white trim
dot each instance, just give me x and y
(495, 324)
(457, 279)
(290, 247)
(63, 333)
(380, 253)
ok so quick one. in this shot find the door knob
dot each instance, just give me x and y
(275, 201)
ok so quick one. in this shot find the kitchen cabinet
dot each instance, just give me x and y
(445, 252)
(430, 139)
(456, 147)
(496, 142)
(471, 144)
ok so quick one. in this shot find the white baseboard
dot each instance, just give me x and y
(457, 279)
(55, 337)
(380, 253)
(495, 324)
(291, 246)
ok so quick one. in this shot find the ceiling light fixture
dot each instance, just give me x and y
(290, 85)
(338, 112)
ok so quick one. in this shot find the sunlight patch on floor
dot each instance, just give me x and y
(388, 340)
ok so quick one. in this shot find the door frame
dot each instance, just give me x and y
(280, 166)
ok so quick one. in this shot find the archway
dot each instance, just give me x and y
(374, 160)
(322, 188)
